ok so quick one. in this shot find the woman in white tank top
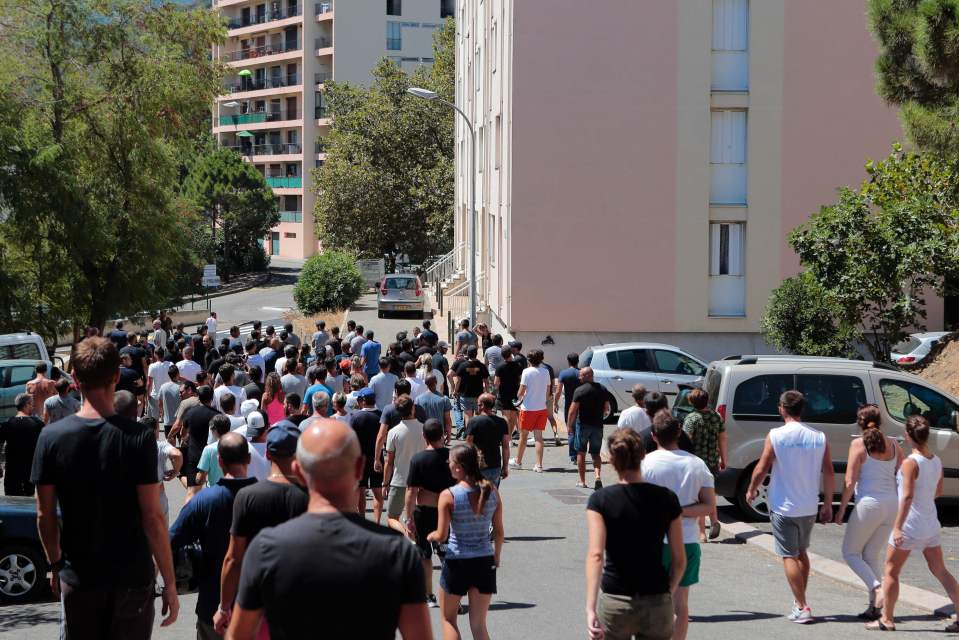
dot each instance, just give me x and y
(917, 525)
(871, 472)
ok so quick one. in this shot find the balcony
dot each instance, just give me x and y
(323, 8)
(252, 84)
(321, 145)
(323, 42)
(322, 77)
(322, 112)
(264, 17)
(285, 182)
(291, 216)
(259, 52)
(269, 149)
(257, 116)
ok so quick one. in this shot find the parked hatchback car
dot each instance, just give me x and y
(745, 390)
(400, 292)
(916, 348)
(14, 375)
(23, 566)
(659, 367)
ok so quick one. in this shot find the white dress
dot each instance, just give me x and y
(921, 527)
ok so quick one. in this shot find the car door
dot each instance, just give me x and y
(902, 398)
(832, 404)
(675, 368)
(626, 368)
(13, 381)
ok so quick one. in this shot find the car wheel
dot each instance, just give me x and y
(610, 418)
(758, 509)
(22, 573)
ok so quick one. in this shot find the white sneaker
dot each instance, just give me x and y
(514, 465)
(794, 613)
(530, 441)
(804, 616)
(537, 468)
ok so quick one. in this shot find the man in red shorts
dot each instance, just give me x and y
(533, 415)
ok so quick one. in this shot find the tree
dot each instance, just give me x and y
(329, 281)
(803, 318)
(236, 201)
(918, 68)
(101, 95)
(879, 250)
(386, 188)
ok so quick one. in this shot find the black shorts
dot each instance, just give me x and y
(371, 479)
(189, 469)
(425, 520)
(461, 575)
(506, 404)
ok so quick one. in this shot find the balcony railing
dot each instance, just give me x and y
(258, 116)
(291, 216)
(322, 112)
(269, 149)
(267, 16)
(272, 82)
(259, 52)
(320, 145)
(285, 182)
(322, 76)
(323, 42)
(324, 7)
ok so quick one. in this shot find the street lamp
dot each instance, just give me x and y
(426, 94)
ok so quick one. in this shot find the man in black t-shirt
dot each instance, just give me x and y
(506, 381)
(196, 422)
(428, 335)
(490, 434)
(101, 469)
(469, 381)
(20, 433)
(323, 569)
(366, 423)
(429, 475)
(590, 404)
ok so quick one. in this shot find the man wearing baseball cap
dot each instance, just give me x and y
(261, 505)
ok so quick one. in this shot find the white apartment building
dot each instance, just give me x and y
(280, 54)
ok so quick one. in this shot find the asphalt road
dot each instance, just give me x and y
(385, 329)
(266, 303)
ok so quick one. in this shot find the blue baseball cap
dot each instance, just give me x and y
(281, 439)
(365, 392)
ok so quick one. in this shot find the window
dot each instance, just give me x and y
(481, 150)
(758, 398)
(405, 284)
(629, 360)
(447, 8)
(831, 399)
(904, 399)
(730, 61)
(727, 265)
(394, 7)
(491, 238)
(585, 358)
(477, 69)
(289, 234)
(728, 158)
(492, 48)
(499, 142)
(394, 36)
(22, 351)
(677, 363)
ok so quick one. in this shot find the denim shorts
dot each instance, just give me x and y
(589, 437)
(791, 534)
(467, 404)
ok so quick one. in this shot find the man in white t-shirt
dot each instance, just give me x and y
(157, 374)
(226, 375)
(402, 442)
(187, 367)
(534, 387)
(689, 478)
(797, 455)
(211, 325)
(635, 417)
(417, 386)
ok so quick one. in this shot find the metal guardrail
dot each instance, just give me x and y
(322, 76)
(259, 52)
(257, 116)
(444, 266)
(267, 16)
(324, 7)
(285, 182)
(269, 149)
(323, 42)
(250, 84)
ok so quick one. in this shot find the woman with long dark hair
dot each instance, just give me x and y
(273, 399)
(871, 470)
(917, 524)
(466, 512)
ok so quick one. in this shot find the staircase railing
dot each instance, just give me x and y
(444, 266)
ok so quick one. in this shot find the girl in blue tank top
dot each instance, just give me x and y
(467, 512)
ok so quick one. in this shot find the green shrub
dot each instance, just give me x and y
(803, 319)
(329, 281)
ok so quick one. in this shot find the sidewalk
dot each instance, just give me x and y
(237, 283)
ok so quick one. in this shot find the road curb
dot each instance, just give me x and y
(262, 279)
(839, 571)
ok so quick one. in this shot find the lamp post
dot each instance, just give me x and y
(426, 94)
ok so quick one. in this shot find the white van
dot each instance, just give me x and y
(23, 346)
(745, 391)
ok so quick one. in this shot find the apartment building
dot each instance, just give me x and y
(281, 54)
(640, 164)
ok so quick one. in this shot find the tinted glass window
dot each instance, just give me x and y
(907, 346)
(711, 386)
(22, 351)
(401, 283)
(16, 376)
(758, 397)
(672, 362)
(628, 360)
(904, 399)
(831, 399)
(585, 358)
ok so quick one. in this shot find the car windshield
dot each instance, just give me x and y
(585, 358)
(401, 283)
(22, 351)
(907, 346)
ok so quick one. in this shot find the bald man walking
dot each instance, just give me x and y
(326, 566)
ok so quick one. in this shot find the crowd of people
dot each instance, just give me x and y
(282, 442)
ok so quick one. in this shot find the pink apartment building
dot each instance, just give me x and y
(280, 54)
(642, 161)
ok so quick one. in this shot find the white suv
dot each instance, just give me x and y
(745, 390)
(659, 367)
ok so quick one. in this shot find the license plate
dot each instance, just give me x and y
(404, 307)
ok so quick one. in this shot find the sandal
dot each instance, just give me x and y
(872, 612)
(879, 626)
(580, 485)
(953, 627)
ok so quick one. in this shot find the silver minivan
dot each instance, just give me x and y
(658, 367)
(745, 390)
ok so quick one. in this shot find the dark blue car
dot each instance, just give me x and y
(23, 565)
